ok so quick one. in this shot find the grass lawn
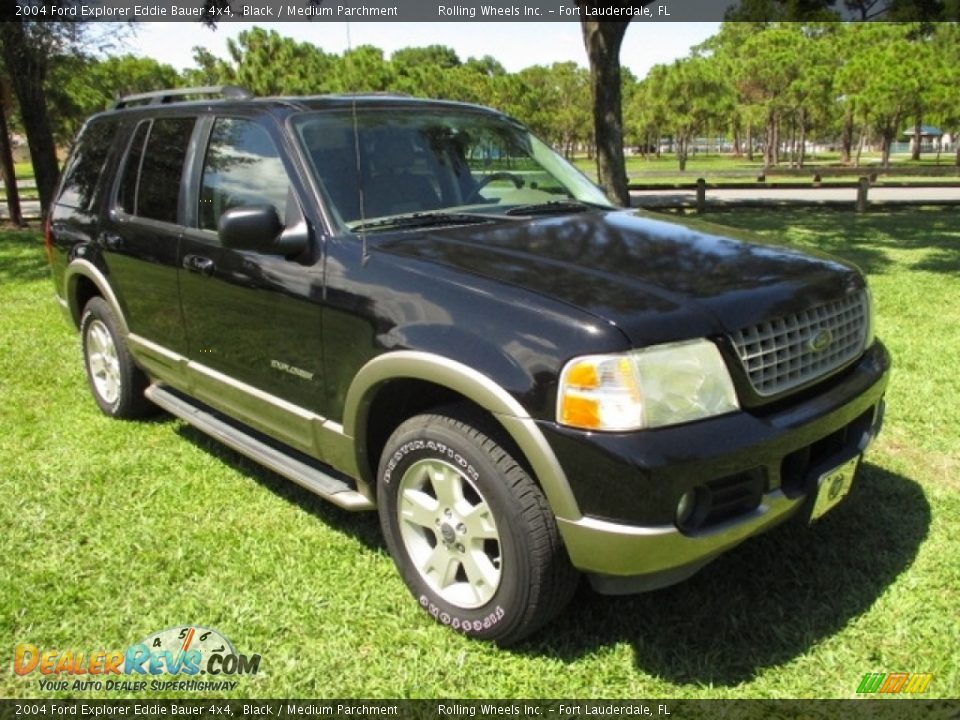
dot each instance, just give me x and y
(23, 170)
(719, 168)
(115, 530)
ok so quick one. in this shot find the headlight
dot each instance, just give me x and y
(656, 386)
(871, 328)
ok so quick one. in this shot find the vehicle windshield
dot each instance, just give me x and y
(408, 162)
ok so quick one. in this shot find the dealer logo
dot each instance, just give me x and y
(185, 651)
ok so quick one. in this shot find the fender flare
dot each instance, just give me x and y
(476, 387)
(84, 268)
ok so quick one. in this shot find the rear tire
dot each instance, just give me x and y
(470, 531)
(116, 383)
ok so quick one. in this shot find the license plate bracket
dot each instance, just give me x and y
(833, 486)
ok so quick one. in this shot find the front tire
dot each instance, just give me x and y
(116, 383)
(470, 531)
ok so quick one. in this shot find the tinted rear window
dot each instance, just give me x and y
(82, 174)
(127, 198)
(162, 168)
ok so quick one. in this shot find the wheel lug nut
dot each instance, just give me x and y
(448, 513)
(460, 547)
(461, 528)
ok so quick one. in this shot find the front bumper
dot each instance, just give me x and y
(781, 455)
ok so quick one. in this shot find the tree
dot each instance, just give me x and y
(6, 161)
(364, 69)
(944, 98)
(425, 71)
(26, 49)
(267, 63)
(811, 98)
(80, 86)
(882, 80)
(726, 48)
(692, 93)
(645, 116)
(29, 50)
(554, 102)
(602, 40)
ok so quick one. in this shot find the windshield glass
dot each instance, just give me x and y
(412, 161)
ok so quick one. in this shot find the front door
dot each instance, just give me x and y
(253, 320)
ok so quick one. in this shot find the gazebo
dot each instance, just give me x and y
(929, 137)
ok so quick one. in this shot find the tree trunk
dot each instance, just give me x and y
(917, 137)
(863, 137)
(771, 142)
(846, 143)
(27, 68)
(886, 138)
(682, 153)
(793, 142)
(602, 41)
(6, 165)
(802, 153)
(750, 141)
(776, 139)
(737, 147)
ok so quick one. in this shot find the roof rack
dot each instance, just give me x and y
(373, 93)
(160, 97)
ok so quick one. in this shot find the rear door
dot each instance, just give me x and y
(139, 239)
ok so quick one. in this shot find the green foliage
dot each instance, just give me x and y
(81, 86)
(763, 83)
(826, 80)
(687, 97)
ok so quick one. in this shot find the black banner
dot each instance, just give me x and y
(200, 709)
(225, 11)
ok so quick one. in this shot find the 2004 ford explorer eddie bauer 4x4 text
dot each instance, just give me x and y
(417, 306)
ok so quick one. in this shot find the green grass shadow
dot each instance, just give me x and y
(23, 257)
(764, 604)
(862, 239)
(362, 526)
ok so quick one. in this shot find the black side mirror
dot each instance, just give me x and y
(258, 228)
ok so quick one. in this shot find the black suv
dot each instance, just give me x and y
(418, 306)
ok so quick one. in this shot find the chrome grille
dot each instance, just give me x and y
(785, 353)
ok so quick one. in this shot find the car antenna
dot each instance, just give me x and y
(356, 147)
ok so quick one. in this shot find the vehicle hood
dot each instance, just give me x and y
(657, 280)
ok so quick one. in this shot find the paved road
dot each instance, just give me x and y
(773, 196)
(30, 209)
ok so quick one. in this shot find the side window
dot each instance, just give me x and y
(127, 196)
(162, 168)
(242, 167)
(86, 164)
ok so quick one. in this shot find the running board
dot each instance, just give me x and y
(310, 477)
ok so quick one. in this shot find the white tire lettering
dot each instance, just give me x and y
(462, 623)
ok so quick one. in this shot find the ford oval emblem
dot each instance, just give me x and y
(820, 341)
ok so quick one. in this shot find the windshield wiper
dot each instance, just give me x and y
(550, 207)
(422, 219)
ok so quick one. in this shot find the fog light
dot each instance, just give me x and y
(686, 506)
